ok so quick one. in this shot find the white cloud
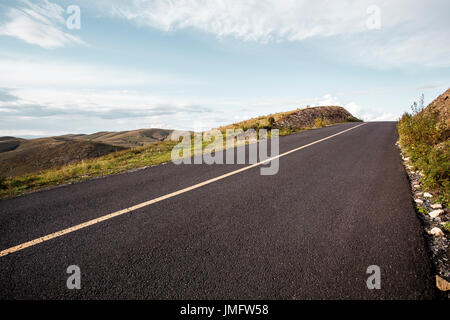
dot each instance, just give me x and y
(368, 113)
(365, 113)
(37, 73)
(40, 24)
(353, 108)
(89, 111)
(407, 31)
(29, 133)
(71, 111)
(258, 20)
(378, 115)
(328, 100)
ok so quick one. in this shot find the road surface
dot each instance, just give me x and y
(308, 232)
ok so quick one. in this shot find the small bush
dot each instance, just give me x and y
(446, 226)
(422, 210)
(318, 123)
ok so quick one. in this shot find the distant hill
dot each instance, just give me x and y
(22, 156)
(127, 139)
(45, 153)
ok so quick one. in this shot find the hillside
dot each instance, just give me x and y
(45, 153)
(9, 143)
(307, 117)
(21, 156)
(441, 108)
(298, 119)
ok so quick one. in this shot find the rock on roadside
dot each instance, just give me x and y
(436, 213)
(436, 232)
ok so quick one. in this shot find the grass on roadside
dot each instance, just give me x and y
(446, 226)
(426, 143)
(106, 165)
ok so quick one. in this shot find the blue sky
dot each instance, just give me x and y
(201, 64)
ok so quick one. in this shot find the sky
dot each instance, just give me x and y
(110, 65)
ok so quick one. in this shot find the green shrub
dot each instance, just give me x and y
(446, 226)
(424, 141)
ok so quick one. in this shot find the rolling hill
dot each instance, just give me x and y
(127, 139)
(9, 143)
(45, 153)
(21, 156)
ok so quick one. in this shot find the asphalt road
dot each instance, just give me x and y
(308, 232)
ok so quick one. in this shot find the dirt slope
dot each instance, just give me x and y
(441, 106)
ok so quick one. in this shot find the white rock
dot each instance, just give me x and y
(436, 206)
(436, 213)
(419, 201)
(436, 232)
(428, 195)
(416, 186)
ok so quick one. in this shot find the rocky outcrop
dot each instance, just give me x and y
(306, 117)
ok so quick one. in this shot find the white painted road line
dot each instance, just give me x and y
(147, 203)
